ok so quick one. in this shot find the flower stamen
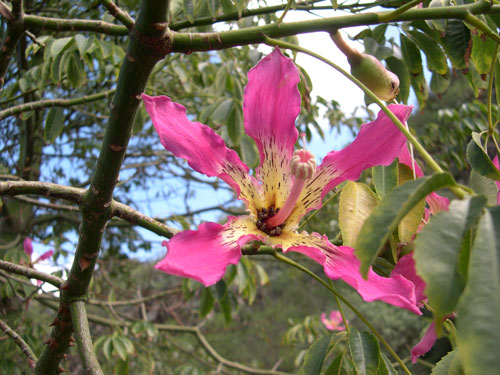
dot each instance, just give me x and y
(302, 167)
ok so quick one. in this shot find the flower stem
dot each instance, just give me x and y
(339, 306)
(300, 267)
(460, 193)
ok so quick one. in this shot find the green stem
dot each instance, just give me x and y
(387, 17)
(53, 103)
(469, 18)
(19, 342)
(119, 14)
(300, 267)
(420, 149)
(341, 310)
(31, 273)
(82, 334)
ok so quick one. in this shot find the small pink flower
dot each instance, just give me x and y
(28, 246)
(334, 322)
(45, 256)
(287, 184)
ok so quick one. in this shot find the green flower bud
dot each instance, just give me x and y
(370, 71)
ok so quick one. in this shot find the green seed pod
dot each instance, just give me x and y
(370, 71)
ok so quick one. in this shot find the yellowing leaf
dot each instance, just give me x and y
(355, 205)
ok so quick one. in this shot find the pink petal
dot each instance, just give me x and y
(406, 268)
(425, 344)
(204, 150)
(378, 143)
(339, 262)
(28, 246)
(271, 105)
(205, 253)
(45, 255)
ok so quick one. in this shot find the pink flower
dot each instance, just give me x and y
(45, 256)
(28, 246)
(334, 322)
(495, 163)
(288, 183)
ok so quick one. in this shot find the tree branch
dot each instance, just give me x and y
(19, 342)
(119, 14)
(31, 273)
(193, 42)
(75, 25)
(54, 103)
(148, 44)
(83, 338)
(15, 30)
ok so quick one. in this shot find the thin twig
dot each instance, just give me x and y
(19, 342)
(31, 273)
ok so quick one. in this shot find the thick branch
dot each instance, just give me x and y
(31, 273)
(147, 46)
(61, 24)
(53, 103)
(19, 342)
(15, 30)
(83, 338)
(192, 42)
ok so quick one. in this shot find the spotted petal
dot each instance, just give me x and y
(339, 262)
(378, 143)
(270, 106)
(204, 254)
(204, 150)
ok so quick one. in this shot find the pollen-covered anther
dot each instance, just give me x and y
(303, 164)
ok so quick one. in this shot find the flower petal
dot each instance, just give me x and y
(425, 344)
(339, 262)
(45, 256)
(406, 268)
(204, 150)
(378, 143)
(28, 246)
(496, 164)
(205, 253)
(270, 106)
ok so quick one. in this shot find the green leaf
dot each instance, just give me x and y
(189, 7)
(365, 352)
(315, 356)
(497, 81)
(478, 318)
(119, 347)
(484, 186)
(221, 111)
(206, 302)
(479, 160)
(482, 53)
(249, 153)
(264, 278)
(399, 68)
(107, 347)
(436, 59)
(411, 55)
(54, 124)
(447, 365)
(385, 178)
(439, 82)
(390, 211)
(437, 253)
(409, 224)
(235, 125)
(336, 367)
(438, 24)
(75, 70)
(385, 366)
(356, 202)
(59, 46)
(121, 368)
(455, 42)
(420, 88)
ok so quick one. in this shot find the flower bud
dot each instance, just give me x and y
(370, 71)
